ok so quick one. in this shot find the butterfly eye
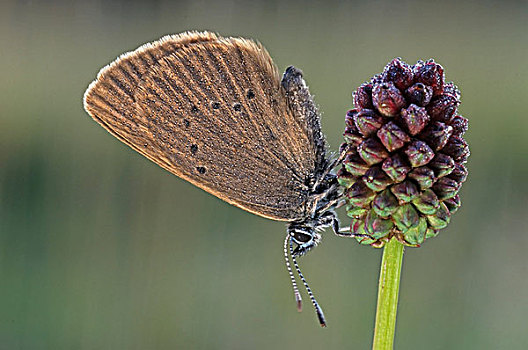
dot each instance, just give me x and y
(301, 237)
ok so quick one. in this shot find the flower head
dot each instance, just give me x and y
(405, 154)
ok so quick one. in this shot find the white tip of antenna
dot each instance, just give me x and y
(298, 299)
(320, 316)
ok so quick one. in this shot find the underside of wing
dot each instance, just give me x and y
(212, 111)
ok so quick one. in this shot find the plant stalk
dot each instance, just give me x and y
(389, 285)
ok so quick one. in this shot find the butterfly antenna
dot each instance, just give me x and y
(298, 298)
(316, 306)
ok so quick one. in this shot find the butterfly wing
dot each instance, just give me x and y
(212, 111)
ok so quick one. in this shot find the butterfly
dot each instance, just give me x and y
(214, 111)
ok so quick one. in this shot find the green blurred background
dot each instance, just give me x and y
(101, 249)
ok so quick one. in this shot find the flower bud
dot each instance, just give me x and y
(442, 164)
(452, 89)
(452, 203)
(360, 195)
(419, 153)
(368, 122)
(431, 233)
(446, 188)
(431, 74)
(459, 125)
(399, 73)
(385, 203)
(457, 148)
(357, 226)
(387, 99)
(363, 97)
(372, 151)
(424, 176)
(405, 191)
(437, 134)
(459, 173)
(415, 235)
(349, 119)
(356, 212)
(414, 119)
(352, 138)
(392, 137)
(376, 179)
(419, 94)
(440, 219)
(376, 226)
(344, 178)
(396, 167)
(351, 134)
(442, 107)
(427, 203)
(355, 165)
(406, 217)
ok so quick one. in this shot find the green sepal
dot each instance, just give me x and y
(345, 179)
(405, 191)
(345, 182)
(357, 226)
(446, 188)
(424, 176)
(431, 233)
(385, 203)
(376, 179)
(440, 219)
(355, 212)
(355, 165)
(406, 217)
(427, 203)
(453, 204)
(416, 235)
(365, 240)
(360, 195)
(376, 226)
(352, 139)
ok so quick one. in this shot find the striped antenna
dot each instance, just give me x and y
(298, 298)
(318, 309)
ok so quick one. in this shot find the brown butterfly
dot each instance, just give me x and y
(215, 112)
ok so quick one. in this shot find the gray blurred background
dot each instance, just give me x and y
(102, 249)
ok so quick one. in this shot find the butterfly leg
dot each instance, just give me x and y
(344, 231)
(339, 159)
(340, 203)
(328, 205)
(347, 232)
(329, 218)
(332, 165)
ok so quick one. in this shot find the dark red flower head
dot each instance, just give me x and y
(406, 154)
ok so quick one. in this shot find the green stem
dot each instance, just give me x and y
(389, 285)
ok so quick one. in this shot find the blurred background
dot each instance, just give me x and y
(102, 249)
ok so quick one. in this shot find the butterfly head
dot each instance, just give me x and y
(304, 237)
(305, 233)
